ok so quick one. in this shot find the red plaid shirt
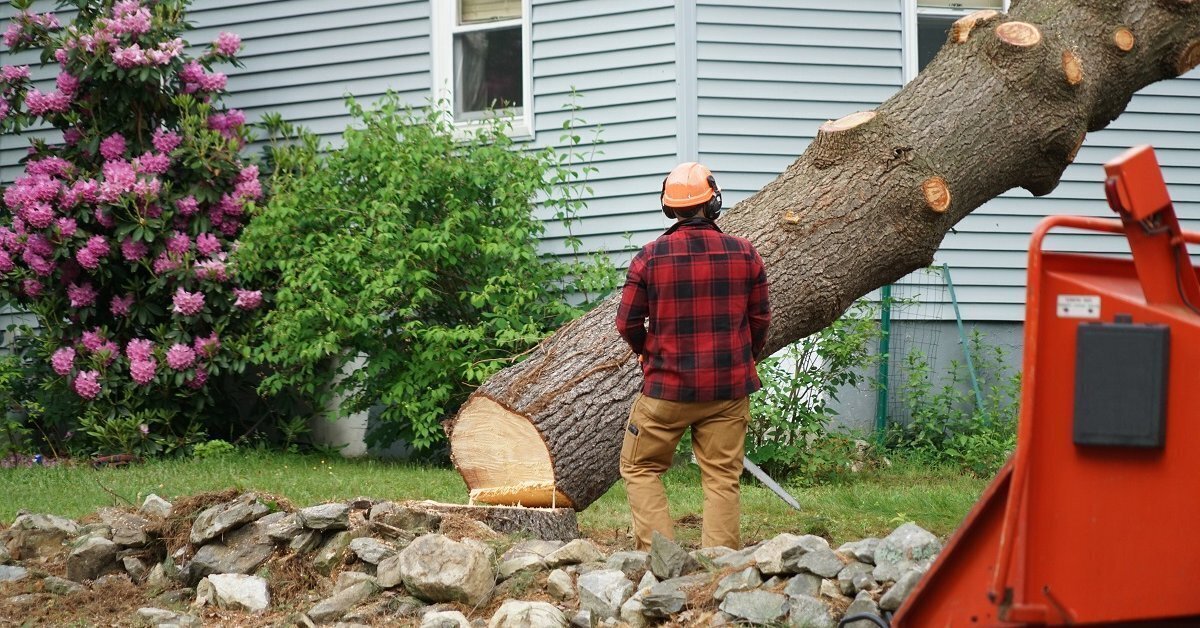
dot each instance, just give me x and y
(705, 295)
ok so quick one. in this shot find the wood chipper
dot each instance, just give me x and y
(1094, 519)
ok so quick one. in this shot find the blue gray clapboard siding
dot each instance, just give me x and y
(764, 75)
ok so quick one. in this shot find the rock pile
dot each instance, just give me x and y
(396, 564)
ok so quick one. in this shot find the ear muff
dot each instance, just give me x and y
(712, 208)
(662, 200)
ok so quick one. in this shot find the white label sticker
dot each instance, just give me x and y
(1079, 306)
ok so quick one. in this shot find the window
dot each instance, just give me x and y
(481, 59)
(934, 18)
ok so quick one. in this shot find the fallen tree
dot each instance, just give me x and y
(1006, 103)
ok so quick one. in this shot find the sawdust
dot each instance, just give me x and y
(459, 527)
(110, 602)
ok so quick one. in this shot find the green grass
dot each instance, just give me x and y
(871, 504)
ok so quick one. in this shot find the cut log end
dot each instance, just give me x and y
(960, 31)
(548, 524)
(846, 123)
(1123, 39)
(1072, 67)
(937, 194)
(1019, 34)
(1189, 58)
(502, 457)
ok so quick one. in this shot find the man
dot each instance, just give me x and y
(704, 294)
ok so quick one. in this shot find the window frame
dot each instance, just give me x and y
(444, 26)
(911, 11)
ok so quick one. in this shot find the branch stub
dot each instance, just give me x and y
(1019, 34)
(1072, 67)
(846, 123)
(1124, 39)
(1189, 58)
(937, 194)
(960, 31)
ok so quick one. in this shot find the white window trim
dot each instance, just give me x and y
(443, 21)
(909, 11)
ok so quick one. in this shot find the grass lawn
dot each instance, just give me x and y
(871, 504)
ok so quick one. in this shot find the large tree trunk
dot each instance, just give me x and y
(1005, 104)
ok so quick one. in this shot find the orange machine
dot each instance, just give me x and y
(1094, 519)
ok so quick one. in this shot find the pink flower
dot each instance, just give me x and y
(191, 72)
(207, 347)
(144, 429)
(88, 259)
(81, 295)
(104, 218)
(72, 136)
(208, 244)
(130, 18)
(87, 384)
(39, 216)
(113, 147)
(188, 303)
(14, 73)
(151, 163)
(120, 305)
(197, 381)
(6, 262)
(31, 287)
(187, 205)
(164, 262)
(227, 44)
(66, 226)
(109, 351)
(39, 104)
(247, 299)
(179, 243)
(180, 357)
(63, 360)
(142, 371)
(3, 109)
(67, 84)
(251, 189)
(166, 141)
(37, 263)
(92, 340)
(60, 56)
(139, 349)
(212, 269)
(133, 250)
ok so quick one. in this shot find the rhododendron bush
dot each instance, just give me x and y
(117, 236)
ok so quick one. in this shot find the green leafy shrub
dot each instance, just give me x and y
(213, 449)
(407, 264)
(789, 433)
(947, 425)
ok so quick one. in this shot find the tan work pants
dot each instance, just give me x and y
(718, 438)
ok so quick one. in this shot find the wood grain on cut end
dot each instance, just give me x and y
(844, 123)
(502, 457)
(1019, 34)
(1124, 40)
(1072, 67)
(548, 524)
(960, 31)
(937, 194)
(1189, 58)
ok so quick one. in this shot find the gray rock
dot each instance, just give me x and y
(829, 589)
(908, 546)
(648, 580)
(855, 577)
(25, 599)
(285, 528)
(5, 557)
(95, 557)
(633, 564)
(234, 592)
(325, 517)
(583, 568)
(519, 614)
(663, 600)
(537, 548)
(776, 581)
(162, 618)
(737, 560)
(371, 550)
(241, 551)
(896, 595)
(756, 607)
(222, 518)
(743, 580)
(38, 536)
(560, 586)
(711, 554)
(177, 597)
(511, 566)
(332, 552)
(437, 569)
(306, 541)
(339, 603)
(127, 530)
(582, 619)
(574, 553)
(862, 551)
(12, 573)
(158, 579)
(780, 554)
(135, 568)
(155, 506)
(603, 592)
(803, 584)
(631, 614)
(669, 560)
(822, 562)
(61, 586)
(347, 579)
(405, 518)
(445, 619)
(862, 604)
(388, 572)
(809, 612)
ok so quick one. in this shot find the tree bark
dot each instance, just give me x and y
(1006, 103)
(547, 524)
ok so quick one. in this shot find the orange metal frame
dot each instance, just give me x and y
(1078, 535)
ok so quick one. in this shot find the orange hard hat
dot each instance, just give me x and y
(689, 184)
